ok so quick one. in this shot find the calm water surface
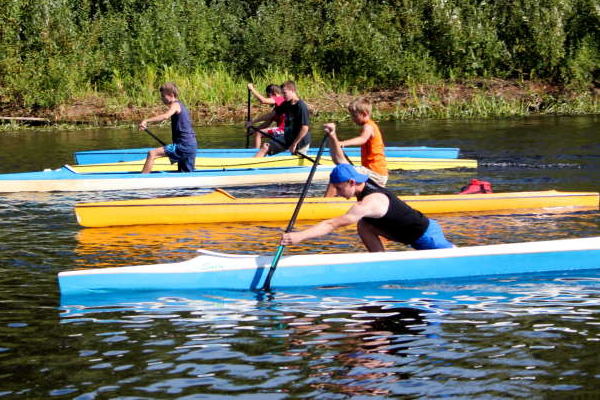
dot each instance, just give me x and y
(534, 336)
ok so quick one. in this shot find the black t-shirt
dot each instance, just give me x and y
(401, 222)
(296, 115)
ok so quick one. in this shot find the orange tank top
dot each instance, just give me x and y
(372, 153)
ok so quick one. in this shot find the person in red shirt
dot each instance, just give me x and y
(296, 134)
(274, 98)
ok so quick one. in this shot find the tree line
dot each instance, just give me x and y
(52, 50)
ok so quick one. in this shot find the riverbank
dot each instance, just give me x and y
(457, 100)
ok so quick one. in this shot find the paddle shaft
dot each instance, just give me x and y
(254, 129)
(248, 119)
(267, 284)
(154, 136)
(347, 158)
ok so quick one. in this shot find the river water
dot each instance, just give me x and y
(533, 336)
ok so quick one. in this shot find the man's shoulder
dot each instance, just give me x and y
(374, 204)
(302, 109)
(298, 106)
(301, 104)
(372, 192)
(374, 195)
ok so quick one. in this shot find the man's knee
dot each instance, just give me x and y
(364, 228)
(154, 153)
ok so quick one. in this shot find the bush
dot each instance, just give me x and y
(54, 49)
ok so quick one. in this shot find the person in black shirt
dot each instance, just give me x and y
(378, 213)
(296, 132)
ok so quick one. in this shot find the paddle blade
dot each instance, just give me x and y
(267, 284)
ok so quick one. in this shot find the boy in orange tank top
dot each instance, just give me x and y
(372, 152)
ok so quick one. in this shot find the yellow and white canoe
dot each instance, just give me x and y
(163, 164)
(220, 206)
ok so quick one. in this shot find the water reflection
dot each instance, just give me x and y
(316, 341)
(367, 344)
(524, 336)
(432, 339)
(135, 245)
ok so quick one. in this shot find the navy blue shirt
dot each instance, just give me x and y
(182, 133)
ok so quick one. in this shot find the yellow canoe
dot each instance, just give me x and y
(163, 164)
(220, 206)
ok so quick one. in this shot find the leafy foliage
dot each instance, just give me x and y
(56, 49)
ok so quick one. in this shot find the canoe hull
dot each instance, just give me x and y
(217, 271)
(119, 155)
(218, 207)
(65, 179)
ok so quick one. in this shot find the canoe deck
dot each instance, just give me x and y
(66, 179)
(120, 155)
(222, 271)
(163, 164)
(220, 206)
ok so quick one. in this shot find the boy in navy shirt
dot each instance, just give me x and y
(183, 149)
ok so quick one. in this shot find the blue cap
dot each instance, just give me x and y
(345, 172)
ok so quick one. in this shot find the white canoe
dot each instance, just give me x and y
(226, 271)
(66, 179)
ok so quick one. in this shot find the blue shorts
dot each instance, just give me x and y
(186, 162)
(433, 238)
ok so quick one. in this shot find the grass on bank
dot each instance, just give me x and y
(216, 96)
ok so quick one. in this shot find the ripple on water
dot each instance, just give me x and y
(424, 339)
(530, 336)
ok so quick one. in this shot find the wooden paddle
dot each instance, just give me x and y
(248, 119)
(154, 136)
(267, 285)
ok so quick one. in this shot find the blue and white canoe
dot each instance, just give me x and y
(248, 272)
(65, 179)
(120, 155)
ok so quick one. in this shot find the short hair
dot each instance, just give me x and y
(169, 88)
(360, 105)
(273, 89)
(289, 85)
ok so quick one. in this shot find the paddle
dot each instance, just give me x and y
(267, 285)
(248, 119)
(152, 134)
(254, 130)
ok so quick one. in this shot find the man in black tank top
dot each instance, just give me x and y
(377, 213)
